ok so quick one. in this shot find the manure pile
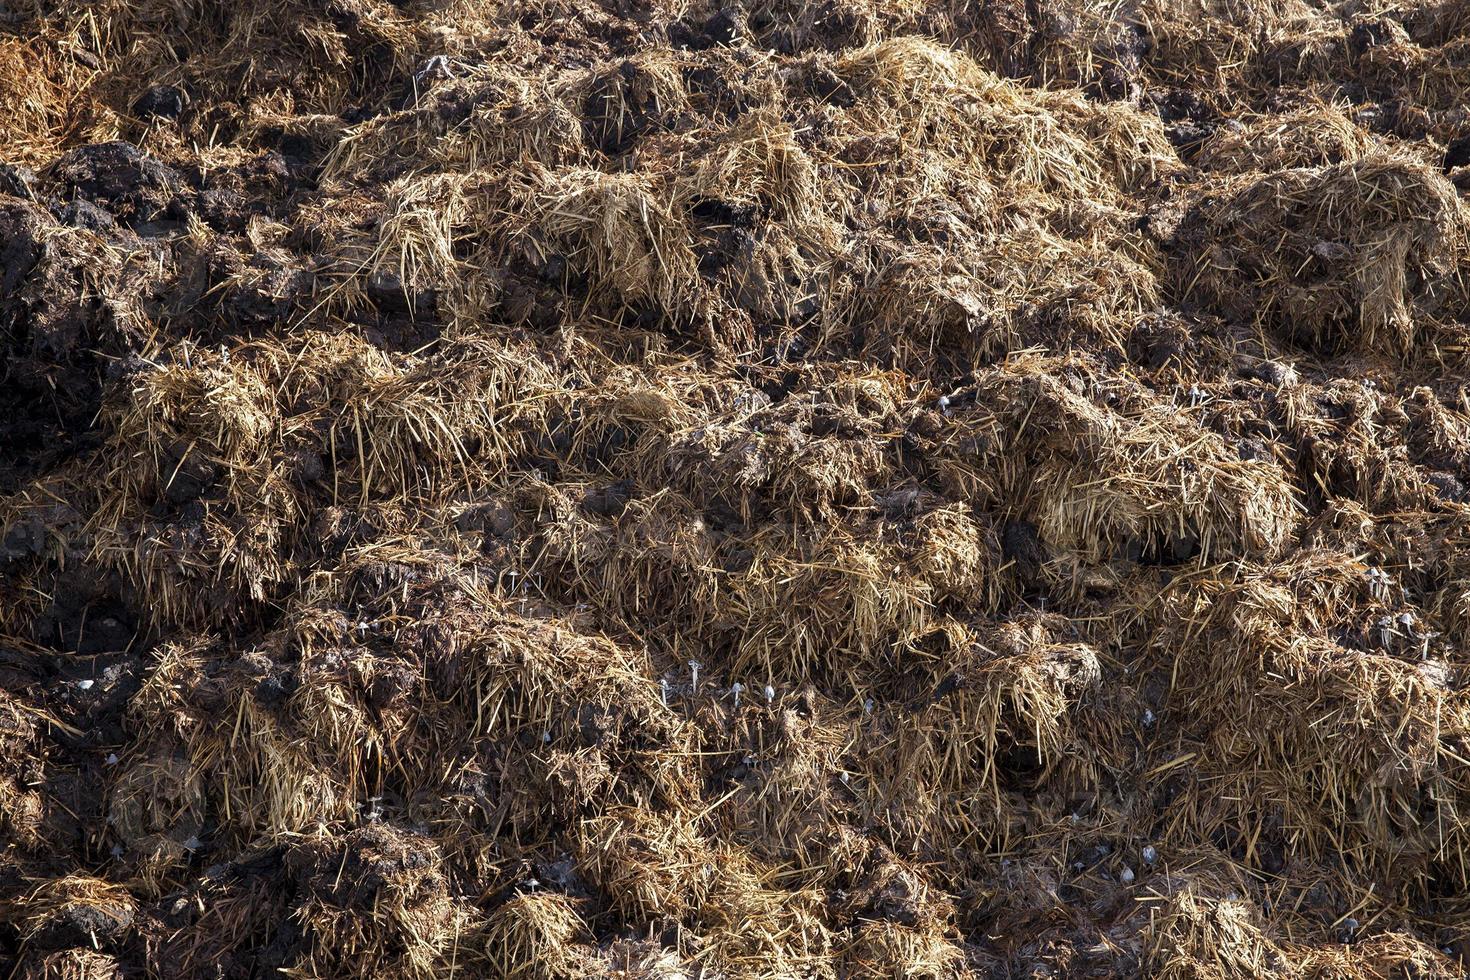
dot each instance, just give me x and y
(879, 488)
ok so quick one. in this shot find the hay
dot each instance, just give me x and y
(73, 911)
(315, 56)
(45, 101)
(885, 950)
(1382, 956)
(1356, 254)
(533, 936)
(1314, 136)
(1116, 471)
(72, 964)
(758, 928)
(564, 490)
(375, 904)
(649, 868)
(1196, 935)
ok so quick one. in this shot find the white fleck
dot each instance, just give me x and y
(111, 759)
(85, 685)
(436, 67)
(1424, 639)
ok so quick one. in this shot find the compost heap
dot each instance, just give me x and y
(864, 489)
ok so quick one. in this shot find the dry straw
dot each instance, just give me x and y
(882, 490)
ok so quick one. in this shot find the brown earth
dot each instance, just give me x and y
(865, 489)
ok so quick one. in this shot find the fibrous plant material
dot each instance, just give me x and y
(1357, 254)
(536, 936)
(872, 489)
